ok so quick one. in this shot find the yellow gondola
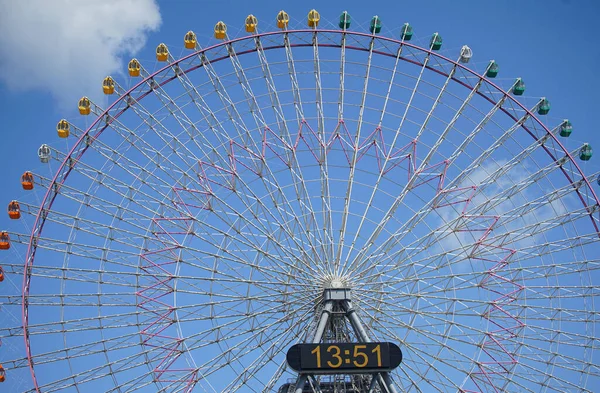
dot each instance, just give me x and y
(63, 129)
(190, 40)
(313, 18)
(85, 106)
(108, 85)
(220, 30)
(282, 19)
(134, 67)
(162, 52)
(251, 23)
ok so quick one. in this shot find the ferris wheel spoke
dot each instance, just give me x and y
(277, 345)
(275, 273)
(68, 299)
(125, 190)
(276, 377)
(511, 234)
(522, 184)
(255, 109)
(230, 107)
(262, 229)
(238, 349)
(518, 160)
(155, 124)
(544, 224)
(517, 212)
(228, 104)
(77, 249)
(249, 242)
(291, 235)
(273, 93)
(420, 357)
(326, 217)
(524, 254)
(90, 227)
(229, 255)
(308, 212)
(285, 135)
(191, 232)
(138, 383)
(121, 321)
(104, 206)
(82, 350)
(352, 169)
(439, 200)
(336, 254)
(498, 141)
(198, 339)
(391, 148)
(375, 233)
(94, 374)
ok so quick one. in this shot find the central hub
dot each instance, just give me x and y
(335, 288)
(334, 281)
(336, 294)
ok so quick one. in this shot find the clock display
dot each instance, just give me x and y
(333, 358)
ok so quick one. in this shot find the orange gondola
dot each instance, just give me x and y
(1, 274)
(4, 241)
(27, 181)
(2, 374)
(14, 210)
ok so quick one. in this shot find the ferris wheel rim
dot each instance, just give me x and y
(65, 167)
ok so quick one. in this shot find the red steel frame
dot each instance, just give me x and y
(159, 262)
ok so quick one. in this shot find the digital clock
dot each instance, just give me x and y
(344, 358)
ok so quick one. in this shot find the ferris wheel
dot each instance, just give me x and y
(310, 185)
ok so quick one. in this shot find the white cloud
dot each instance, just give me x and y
(67, 47)
(462, 242)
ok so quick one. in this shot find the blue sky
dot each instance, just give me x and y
(552, 45)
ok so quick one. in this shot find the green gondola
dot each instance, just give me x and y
(375, 25)
(436, 41)
(492, 70)
(544, 107)
(406, 32)
(344, 20)
(566, 128)
(519, 88)
(586, 152)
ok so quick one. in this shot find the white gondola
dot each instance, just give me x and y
(465, 54)
(44, 153)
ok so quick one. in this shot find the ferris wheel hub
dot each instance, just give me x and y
(335, 281)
